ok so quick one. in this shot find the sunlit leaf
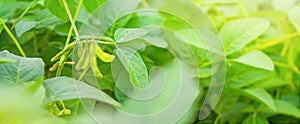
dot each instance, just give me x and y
(256, 59)
(238, 33)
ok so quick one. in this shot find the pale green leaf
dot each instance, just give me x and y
(135, 66)
(256, 59)
(260, 95)
(22, 70)
(23, 26)
(238, 33)
(65, 88)
(127, 34)
(157, 41)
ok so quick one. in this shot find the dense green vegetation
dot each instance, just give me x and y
(83, 61)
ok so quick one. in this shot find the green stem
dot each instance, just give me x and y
(26, 10)
(75, 17)
(145, 4)
(217, 119)
(277, 41)
(13, 38)
(243, 9)
(35, 42)
(70, 17)
(64, 57)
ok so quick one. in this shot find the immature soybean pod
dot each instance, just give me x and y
(105, 57)
(83, 60)
(93, 60)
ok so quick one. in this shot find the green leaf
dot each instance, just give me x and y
(92, 5)
(287, 108)
(128, 34)
(24, 26)
(135, 66)
(21, 71)
(116, 9)
(238, 33)
(154, 40)
(260, 95)
(294, 17)
(65, 88)
(57, 8)
(8, 8)
(256, 59)
(283, 107)
(255, 120)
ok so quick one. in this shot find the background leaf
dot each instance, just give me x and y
(238, 33)
(256, 59)
(135, 66)
(57, 8)
(65, 88)
(8, 8)
(23, 26)
(260, 95)
(21, 71)
(128, 34)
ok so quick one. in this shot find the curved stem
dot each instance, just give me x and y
(13, 38)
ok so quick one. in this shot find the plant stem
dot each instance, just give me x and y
(217, 119)
(64, 57)
(243, 9)
(145, 4)
(277, 41)
(70, 17)
(75, 17)
(26, 10)
(13, 38)
(219, 13)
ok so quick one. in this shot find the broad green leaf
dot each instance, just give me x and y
(238, 33)
(287, 108)
(57, 8)
(255, 120)
(135, 66)
(294, 18)
(65, 88)
(21, 71)
(157, 41)
(260, 95)
(92, 5)
(190, 36)
(283, 107)
(256, 59)
(23, 26)
(127, 34)
(8, 8)
(116, 9)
